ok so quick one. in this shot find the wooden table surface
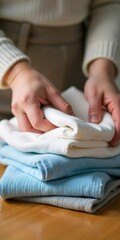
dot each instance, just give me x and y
(19, 221)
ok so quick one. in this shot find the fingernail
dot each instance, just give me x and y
(94, 118)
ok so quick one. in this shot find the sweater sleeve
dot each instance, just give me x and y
(9, 55)
(103, 35)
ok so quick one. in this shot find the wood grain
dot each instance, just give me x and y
(19, 221)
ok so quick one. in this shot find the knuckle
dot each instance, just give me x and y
(93, 93)
(14, 107)
(24, 98)
(94, 108)
(35, 123)
(55, 91)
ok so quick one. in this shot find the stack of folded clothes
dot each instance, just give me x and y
(71, 166)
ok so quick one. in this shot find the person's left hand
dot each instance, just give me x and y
(101, 92)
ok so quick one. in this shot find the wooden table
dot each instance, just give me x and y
(19, 221)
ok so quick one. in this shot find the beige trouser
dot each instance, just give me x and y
(57, 52)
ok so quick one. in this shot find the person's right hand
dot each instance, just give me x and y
(30, 91)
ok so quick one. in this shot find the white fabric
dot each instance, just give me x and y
(74, 136)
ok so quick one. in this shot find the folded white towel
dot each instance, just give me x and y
(74, 137)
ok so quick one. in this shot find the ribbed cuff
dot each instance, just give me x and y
(102, 49)
(9, 55)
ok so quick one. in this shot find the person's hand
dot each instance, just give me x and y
(101, 92)
(30, 91)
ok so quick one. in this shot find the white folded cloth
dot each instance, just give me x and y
(73, 137)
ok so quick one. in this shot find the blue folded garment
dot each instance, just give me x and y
(50, 166)
(84, 184)
(87, 192)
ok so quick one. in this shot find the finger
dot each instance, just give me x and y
(36, 119)
(95, 109)
(58, 102)
(115, 140)
(24, 124)
(43, 101)
(116, 116)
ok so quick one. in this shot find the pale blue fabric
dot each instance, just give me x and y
(15, 183)
(84, 184)
(50, 166)
(87, 192)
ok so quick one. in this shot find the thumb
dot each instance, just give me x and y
(95, 109)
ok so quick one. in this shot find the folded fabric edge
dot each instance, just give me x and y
(89, 205)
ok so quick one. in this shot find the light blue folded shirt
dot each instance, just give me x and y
(86, 192)
(84, 184)
(50, 166)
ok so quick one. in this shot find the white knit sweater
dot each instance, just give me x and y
(103, 37)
